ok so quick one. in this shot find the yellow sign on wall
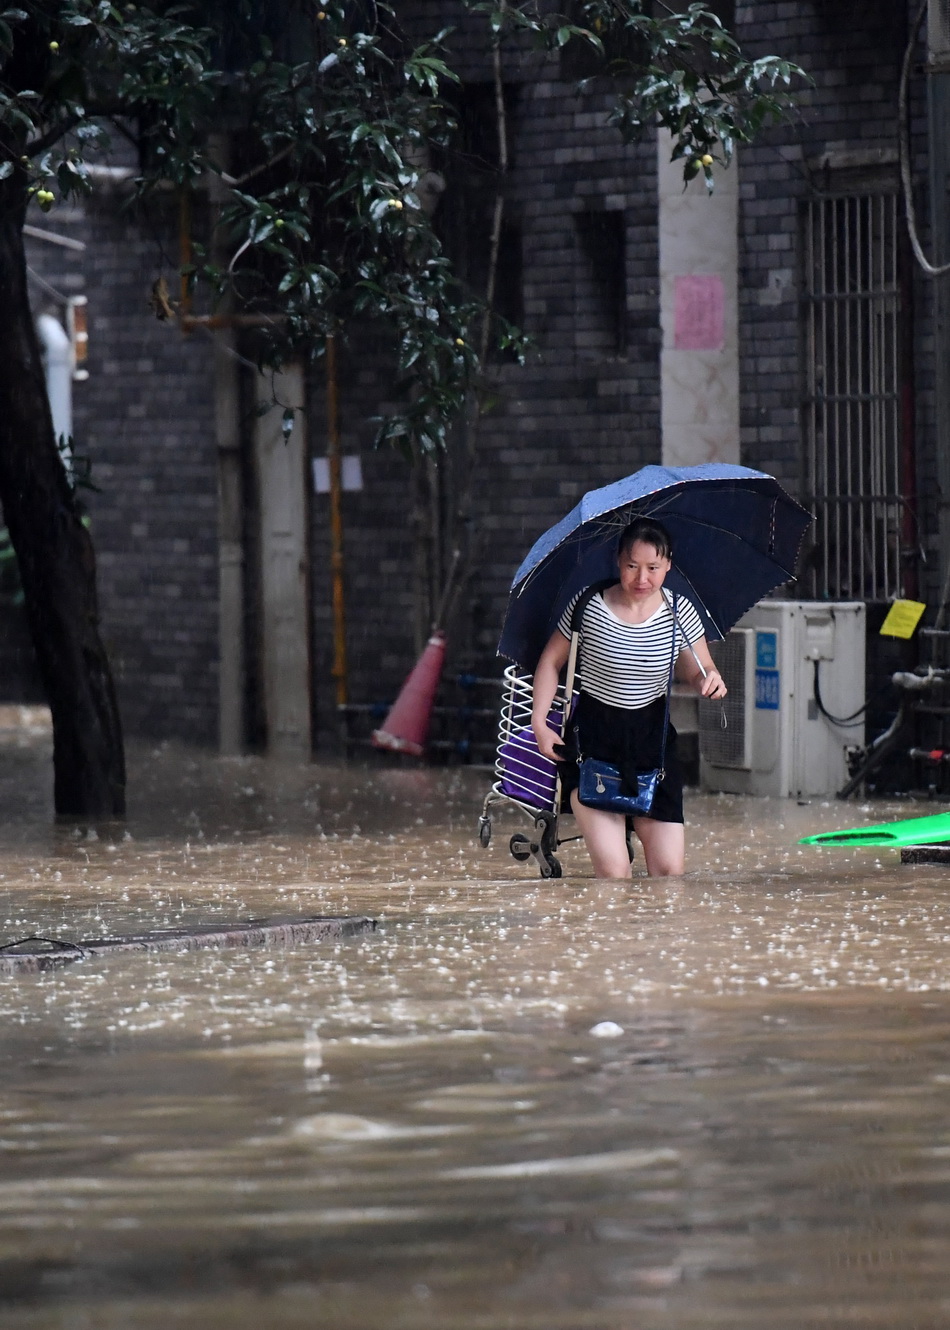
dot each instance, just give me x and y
(902, 618)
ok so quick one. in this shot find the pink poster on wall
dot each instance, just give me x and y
(698, 314)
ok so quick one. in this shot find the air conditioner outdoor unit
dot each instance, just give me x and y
(776, 740)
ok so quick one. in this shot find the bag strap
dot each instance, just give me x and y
(669, 683)
(577, 615)
(584, 599)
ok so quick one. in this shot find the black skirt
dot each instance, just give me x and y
(631, 740)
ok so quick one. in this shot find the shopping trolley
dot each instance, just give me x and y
(525, 778)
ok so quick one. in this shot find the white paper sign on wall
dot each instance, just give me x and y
(351, 470)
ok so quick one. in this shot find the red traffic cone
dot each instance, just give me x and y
(405, 728)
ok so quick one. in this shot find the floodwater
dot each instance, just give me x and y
(720, 1101)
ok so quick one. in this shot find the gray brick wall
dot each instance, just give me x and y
(144, 419)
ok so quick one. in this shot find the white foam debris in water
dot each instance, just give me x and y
(609, 1162)
(606, 1030)
(350, 1127)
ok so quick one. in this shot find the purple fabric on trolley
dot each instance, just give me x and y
(526, 775)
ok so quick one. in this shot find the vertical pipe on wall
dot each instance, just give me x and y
(227, 429)
(227, 432)
(848, 309)
(907, 476)
(820, 316)
(335, 466)
(863, 411)
(185, 251)
(938, 107)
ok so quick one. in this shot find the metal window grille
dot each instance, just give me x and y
(852, 408)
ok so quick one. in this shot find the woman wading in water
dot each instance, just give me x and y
(628, 632)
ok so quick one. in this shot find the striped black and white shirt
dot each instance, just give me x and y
(628, 664)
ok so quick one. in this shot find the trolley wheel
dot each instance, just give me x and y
(484, 832)
(546, 827)
(550, 866)
(520, 847)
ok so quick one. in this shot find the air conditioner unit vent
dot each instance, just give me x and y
(729, 745)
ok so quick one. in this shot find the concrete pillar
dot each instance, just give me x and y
(699, 359)
(282, 481)
(227, 427)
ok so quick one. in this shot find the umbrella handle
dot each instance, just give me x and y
(702, 668)
(676, 624)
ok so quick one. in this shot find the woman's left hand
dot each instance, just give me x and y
(712, 685)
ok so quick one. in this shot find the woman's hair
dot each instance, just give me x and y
(651, 533)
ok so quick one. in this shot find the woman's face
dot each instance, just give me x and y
(642, 570)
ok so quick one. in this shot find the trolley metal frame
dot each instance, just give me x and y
(519, 764)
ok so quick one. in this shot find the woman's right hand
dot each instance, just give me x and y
(548, 741)
(553, 657)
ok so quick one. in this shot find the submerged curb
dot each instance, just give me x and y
(34, 954)
(925, 854)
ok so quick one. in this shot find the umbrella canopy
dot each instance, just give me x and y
(735, 532)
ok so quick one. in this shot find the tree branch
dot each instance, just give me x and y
(52, 135)
(235, 182)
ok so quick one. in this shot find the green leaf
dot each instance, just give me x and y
(262, 232)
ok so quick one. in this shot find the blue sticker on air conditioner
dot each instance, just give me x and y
(766, 650)
(767, 690)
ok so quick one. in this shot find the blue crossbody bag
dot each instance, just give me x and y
(600, 783)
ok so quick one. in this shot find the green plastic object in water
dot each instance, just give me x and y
(909, 831)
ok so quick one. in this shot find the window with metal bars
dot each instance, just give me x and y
(600, 311)
(852, 347)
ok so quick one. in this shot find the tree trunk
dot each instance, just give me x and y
(54, 553)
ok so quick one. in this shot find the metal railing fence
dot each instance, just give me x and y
(852, 398)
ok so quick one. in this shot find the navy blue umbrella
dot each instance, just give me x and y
(735, 532)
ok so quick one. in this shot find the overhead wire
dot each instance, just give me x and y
(903, 143)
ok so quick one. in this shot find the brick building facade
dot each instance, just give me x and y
(143, 419)
(582, 270)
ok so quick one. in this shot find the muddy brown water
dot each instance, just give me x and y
(717, 1101)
